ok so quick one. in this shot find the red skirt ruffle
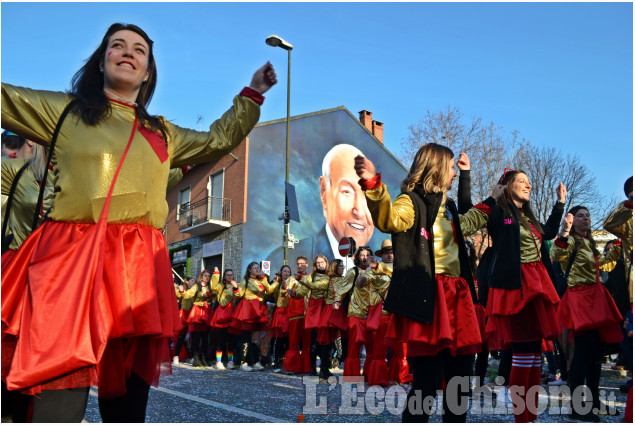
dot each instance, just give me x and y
(280, 323)
(327, 333)
(337, 318)
(523, 315)
(200, 314)
(357, 331)
(139, 312)
(250, 315)
(583, 308)
(455, 323)
(313, 313)
(222, 316)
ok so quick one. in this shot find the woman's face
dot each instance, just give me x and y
(191, 281)
(254, 270)
(520, 188)
(206, 277)
(125, 63)
(286, 272)
(582, 221)
(340, 269)
(229, 276)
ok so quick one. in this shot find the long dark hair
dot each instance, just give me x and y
(87, 84)
(225, 274)
(247, 274)
(509, 206)
(573, 211)
(356, 257)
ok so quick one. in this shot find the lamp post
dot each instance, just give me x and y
(275, 41)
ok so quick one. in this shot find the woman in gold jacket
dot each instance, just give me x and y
(587, 308)
(225, 292)
(280, 320)
(200, 316)
(131, 324)
(316, 284)
(250, 316)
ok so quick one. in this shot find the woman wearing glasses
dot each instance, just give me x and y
(222, 317)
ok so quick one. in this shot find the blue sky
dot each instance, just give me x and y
(560, 73)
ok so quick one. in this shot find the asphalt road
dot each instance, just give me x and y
(204, 395)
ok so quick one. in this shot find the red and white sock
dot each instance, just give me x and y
(522, 364)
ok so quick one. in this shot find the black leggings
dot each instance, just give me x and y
(180, 342)
(225, 341)
(480, 366)
(199, 343)
(428, 373)
(586, 364)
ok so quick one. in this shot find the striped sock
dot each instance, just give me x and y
(522, 364)
(534, 380)
(219, 356)
(230, 355)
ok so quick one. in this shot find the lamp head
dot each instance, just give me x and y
(275, 41)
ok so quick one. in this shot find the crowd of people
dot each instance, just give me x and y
(81, 222)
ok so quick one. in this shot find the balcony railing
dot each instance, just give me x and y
(205, 215)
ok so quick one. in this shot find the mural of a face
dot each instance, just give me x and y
(344, 202)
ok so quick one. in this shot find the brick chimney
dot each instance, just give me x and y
(366, 118)
(378, 131)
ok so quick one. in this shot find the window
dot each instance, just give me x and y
(184, 203)
(215, 204)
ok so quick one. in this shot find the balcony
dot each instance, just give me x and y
(206, 215)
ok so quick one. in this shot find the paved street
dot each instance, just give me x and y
(198, 395)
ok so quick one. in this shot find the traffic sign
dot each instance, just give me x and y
(266, 267)
(347, 247)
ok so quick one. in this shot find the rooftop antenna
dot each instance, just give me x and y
(199, 120)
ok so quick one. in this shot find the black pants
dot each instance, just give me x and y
(180, 342)
(199, 343)
(313, 352)
(279, 345)
(15, 405)
(505, 365)
(428, 373)
(587, 364)
(480, 366)
(562, 361)
(67, 405)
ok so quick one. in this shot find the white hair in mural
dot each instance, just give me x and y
(326, 164)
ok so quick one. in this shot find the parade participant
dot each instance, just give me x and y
(587, 308)
(327, 332)
(357, 311)
(481, 357)
(297, 360)
(431, 293)
(316, 285)
(378, 278)
(250, 315)
(121, 331)
(200, 316)
(280, 321)
(522, 299)
(184, 312)
(10, 144)
(222, 318)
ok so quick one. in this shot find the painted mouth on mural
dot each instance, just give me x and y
(357, 227)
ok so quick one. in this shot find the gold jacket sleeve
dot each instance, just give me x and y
(193, 147)
(344, 285)
(620, 223)
(472, 221)
(609, 261)
(390, 217)
(175, 177)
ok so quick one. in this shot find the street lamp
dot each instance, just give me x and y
(275, 41)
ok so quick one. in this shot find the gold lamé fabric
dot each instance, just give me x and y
(87, 156)
(378, 281)
(318, 285)
(584, 269)
(224, 291)
(198, 294)
(529, 244)
(360, 297)
(25, 197)
(174, 178)
(255, 288)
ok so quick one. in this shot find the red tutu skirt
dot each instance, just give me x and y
(583, 308)
(280, 323)
(337, 318)
(523, 315)
(137, 310)
(200, 314)
(455, 323)
(313, 313)
(222, 316)
(250, 315)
